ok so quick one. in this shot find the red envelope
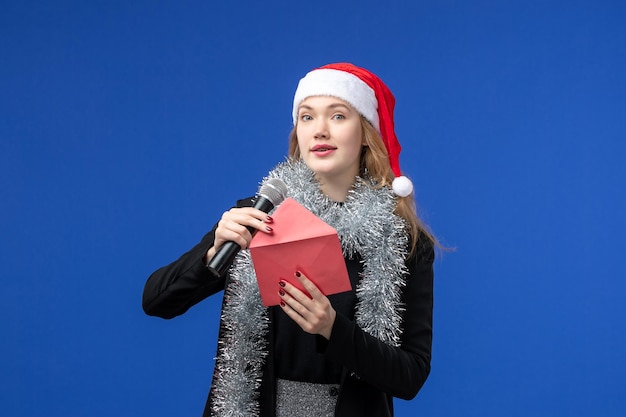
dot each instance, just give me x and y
(301, 241)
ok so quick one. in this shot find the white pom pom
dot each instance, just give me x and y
(402, 186)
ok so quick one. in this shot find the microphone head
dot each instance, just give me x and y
(275, 190)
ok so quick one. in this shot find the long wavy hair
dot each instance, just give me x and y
(375, 162)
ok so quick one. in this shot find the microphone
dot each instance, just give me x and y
(271, 194)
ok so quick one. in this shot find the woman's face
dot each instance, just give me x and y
(330, 138)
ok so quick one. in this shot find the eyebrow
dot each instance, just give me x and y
(330, 106)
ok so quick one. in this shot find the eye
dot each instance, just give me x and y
(338, 116)
(306, 117)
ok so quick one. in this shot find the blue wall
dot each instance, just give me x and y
(126, 128)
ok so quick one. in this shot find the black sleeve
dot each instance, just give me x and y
(400, 371)
(173, 289)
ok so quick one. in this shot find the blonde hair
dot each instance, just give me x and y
(375, 161)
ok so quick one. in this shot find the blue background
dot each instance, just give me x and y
(126, 128)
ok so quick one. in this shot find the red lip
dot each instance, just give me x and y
(322, 147)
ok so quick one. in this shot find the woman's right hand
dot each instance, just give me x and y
(233, 227)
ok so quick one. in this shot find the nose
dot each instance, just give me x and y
(321, 129)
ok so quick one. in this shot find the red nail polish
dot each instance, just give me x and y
(281, 283)
(269, 219)
(269, 229)
(298, 274)
(282, 304)
(281, 292)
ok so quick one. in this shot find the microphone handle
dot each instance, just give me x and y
(225, 255)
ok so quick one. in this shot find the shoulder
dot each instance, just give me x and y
(420, 276)
(425, 248)
(245, 202)
(424, 254)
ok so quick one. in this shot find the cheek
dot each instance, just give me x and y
(353, 136)
(300, 142)
(302, 134)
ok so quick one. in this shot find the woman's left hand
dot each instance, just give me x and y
(314, 315)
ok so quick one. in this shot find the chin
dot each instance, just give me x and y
(321, 170)
(318, 166)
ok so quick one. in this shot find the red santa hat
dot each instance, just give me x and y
(369, 96)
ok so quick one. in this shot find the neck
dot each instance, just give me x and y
(337, 188)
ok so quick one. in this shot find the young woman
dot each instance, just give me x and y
(346, 354)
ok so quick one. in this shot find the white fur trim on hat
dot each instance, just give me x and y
(340, 84)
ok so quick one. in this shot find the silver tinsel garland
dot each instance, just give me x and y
(366, 224)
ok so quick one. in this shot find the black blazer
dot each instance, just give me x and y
(374, 372)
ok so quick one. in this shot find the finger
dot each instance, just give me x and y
(228, 230)
(249, 217)
(295, 292)
(259, 214)
(293, 314)
(308, 285)
(313, 318)
(292, 301)
(235, 226)
(251, 212)
(226, 235)
(255, 219)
